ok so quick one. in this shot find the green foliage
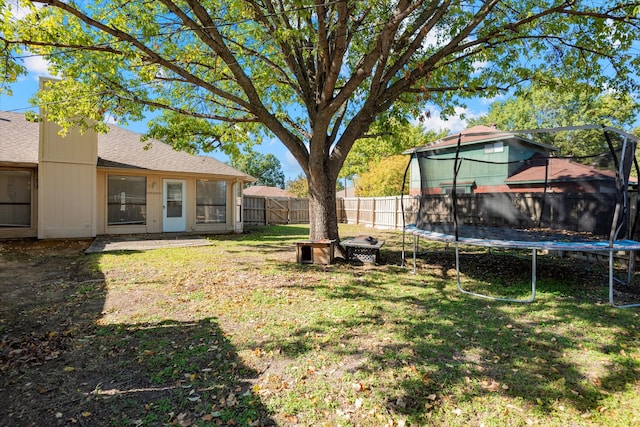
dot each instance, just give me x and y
(249, 65)
(388, 138)
(545, 107)
(266, 168)
(384, 177)
(298, 186)
(219, 74)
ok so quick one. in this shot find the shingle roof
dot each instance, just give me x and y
(119, 148)
(558, 170)
(474, 135)
(266, 191)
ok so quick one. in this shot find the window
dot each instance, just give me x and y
(496, 147)
(211, 202)
(127, 200)
(15, 198)
(464, 187)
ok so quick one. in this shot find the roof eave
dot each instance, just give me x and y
(7, 164)
(130, 169)
(438, 145)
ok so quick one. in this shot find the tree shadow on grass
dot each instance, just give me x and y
(441, 349)
(60, 365)
(170, 372)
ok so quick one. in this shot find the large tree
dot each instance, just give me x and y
(314, 74)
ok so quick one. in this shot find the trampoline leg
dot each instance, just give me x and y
(533, 281)
(415, 251)
(611, 280)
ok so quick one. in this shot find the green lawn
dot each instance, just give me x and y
(237, 333)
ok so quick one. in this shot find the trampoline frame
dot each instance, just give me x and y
(611, 246)
(579, 246)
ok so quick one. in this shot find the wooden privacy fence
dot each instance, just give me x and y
(386, 212)
(263, 210)
(376, 212)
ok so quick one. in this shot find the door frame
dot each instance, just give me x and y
(174, 224)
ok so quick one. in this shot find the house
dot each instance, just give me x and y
(83, 185)
(495, 161)
(266, 191)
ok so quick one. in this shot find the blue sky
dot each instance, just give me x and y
(26, 87)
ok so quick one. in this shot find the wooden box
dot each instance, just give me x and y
(315, 252)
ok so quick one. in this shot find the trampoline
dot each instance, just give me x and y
(516, 190)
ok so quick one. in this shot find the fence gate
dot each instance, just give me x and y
(277, 210)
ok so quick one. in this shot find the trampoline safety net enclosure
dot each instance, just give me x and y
(572, 188)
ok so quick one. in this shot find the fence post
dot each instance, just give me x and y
(266, 210)
(395, 213)
(373, 212)
(358, 210)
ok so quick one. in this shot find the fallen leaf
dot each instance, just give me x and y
(358, 387)
(290, 418)
(490, 385)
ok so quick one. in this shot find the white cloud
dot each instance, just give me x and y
(37, 65)
(437, 37)
(453, 124)
(479, 66)
(18, 11)
(34, 63)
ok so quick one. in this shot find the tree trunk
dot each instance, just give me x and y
(323, 217)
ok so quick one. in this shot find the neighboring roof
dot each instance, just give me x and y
(474, 135)
(119, 148)
(559, 170)
(265, 191)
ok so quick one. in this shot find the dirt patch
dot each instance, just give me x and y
(31, 273)
(59, 365)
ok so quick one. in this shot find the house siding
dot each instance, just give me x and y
(67, 182)
(486, 177)
(155, 200)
